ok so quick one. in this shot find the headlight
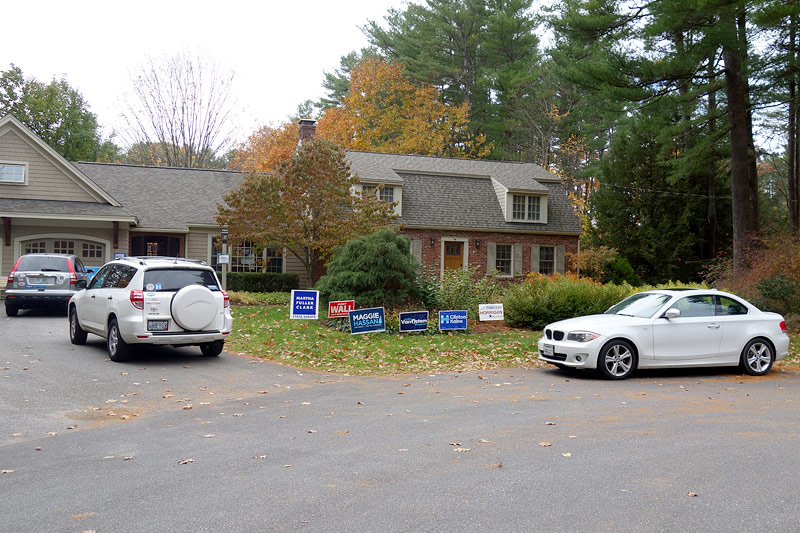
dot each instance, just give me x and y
(581, 336)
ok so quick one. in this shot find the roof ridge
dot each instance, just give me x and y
(469, 159)
(156, 167)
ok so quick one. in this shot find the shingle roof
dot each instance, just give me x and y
(22, 206)
(389, 168)
(464, 202)
(164, 198)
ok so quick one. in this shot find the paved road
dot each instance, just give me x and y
(174, 441)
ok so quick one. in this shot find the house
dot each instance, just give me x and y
(512, 217)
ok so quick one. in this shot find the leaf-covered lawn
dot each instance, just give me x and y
(267, 331)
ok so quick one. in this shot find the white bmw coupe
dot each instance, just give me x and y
(669, 328)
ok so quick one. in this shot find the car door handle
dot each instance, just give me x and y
(92, 296)
(713, 326)
(111, 298)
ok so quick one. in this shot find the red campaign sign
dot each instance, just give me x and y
(341, 309)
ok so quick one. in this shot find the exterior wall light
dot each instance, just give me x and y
(477, 243)
(433, 241)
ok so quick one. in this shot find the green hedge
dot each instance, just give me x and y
(540, 300)
(260, 281)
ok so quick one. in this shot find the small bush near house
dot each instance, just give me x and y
(260, 282)
(260, 298)
(459, 289)
(374, 270)
(605, 265)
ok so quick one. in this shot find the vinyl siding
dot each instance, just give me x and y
(45, 180)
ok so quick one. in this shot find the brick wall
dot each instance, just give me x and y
(477, 253)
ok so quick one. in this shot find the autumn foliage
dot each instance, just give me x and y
(266, 149)
(386, 112)
(305, 205)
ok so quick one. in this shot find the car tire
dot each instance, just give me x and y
(757, 357)
(77, 335)
(617, 359)
(12, 310)
(212, 349)
(118, 349)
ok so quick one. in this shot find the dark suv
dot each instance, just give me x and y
(41, 280)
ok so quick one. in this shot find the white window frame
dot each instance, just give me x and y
(510, 246)
(23, 164)
(528, 202)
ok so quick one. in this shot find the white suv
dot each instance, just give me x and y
(152, 300)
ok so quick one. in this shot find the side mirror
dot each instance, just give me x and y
(80, 284)
(672, 313)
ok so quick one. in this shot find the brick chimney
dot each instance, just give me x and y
(308, 128)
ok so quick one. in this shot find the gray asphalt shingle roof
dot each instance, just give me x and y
(389, 168)
(21, 206)
(164, 198)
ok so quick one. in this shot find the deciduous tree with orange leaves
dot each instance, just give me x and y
(266, 149)
(305, 205)
(386, 112)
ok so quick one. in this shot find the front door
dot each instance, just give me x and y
(453, 255)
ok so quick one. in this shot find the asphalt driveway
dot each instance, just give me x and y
(174, 441)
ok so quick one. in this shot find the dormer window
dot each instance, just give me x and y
(14, 173)
(526, 207)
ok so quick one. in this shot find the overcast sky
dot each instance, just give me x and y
(278, 50)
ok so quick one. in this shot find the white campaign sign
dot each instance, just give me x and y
(490, 312)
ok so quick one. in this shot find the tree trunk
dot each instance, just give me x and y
(791, 145)
(744, 184)
(712, 175)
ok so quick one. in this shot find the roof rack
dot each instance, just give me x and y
(142, 258)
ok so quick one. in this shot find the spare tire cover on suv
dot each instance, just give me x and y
(194, 307)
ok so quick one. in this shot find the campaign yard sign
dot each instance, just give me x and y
(305, 305)
(449, 320)
(490, 312)
(367, 320)
(340, 309)
(414, 321)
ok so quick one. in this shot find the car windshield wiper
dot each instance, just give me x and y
(623, 314)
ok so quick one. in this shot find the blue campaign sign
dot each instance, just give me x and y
(452, 320)
(305, 305)
(414, 321)
(367, 320)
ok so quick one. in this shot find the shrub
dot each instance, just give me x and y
(260, 282)
(459, 289)
(605, 265)
(260, 298)
(374, 270)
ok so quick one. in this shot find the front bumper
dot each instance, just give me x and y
(571, 354)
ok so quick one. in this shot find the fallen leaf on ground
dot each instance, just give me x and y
(342, 432)
(462, 449)
(6, 471)
(259, 457)
(209, 436)
(186, 461)
(693, 494)
(16, 434)
(127, 458)
(484, 441)
(567, 454)
(549, 423)
(455, 444)
(545, 444)
(238, 414)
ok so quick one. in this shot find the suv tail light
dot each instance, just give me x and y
(227, 298)
(783, 325)
(72, 276)
(11, 274)
(137, 299)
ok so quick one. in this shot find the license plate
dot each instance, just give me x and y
(547, 350)
(157, 325)
(39, 281)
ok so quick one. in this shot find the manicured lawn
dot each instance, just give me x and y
(266, 331)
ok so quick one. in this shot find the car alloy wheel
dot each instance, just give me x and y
(757, 357)
(118, 349)
(617, 359)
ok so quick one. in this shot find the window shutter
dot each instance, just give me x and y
(560, 258)
(416, 250)
(518, 259)
(491, 257)
(534, 258)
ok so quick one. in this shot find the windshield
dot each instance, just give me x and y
(174, 279)
(643, 305)
(45, 263)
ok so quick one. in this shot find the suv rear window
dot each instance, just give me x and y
(173, 279)
(44, 263)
